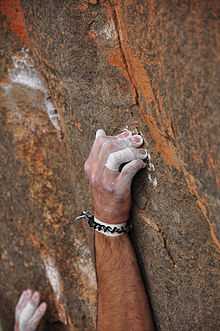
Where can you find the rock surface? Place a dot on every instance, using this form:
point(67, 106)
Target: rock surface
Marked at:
point(150, 65)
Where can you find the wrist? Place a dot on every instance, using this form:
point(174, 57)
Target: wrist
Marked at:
point(107, 229)
point(111, 216)
point(110, 229)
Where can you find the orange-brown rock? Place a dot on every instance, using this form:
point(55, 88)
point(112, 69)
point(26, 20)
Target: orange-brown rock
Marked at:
point(150, 65)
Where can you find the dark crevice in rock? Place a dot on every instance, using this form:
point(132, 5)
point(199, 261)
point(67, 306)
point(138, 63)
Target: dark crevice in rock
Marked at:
point(124, 56)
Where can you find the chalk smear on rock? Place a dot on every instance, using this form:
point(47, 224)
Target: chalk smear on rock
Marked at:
point(23, 72)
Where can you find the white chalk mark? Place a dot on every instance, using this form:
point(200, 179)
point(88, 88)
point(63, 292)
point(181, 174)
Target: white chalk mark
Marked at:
point(85, 264)
point(56, 283)
point(24, 73)
point(109, 31)
point(53, 115)
point(53, 276)
point(151, 167)
point(154, 183)
point(149, 178)
point(128, 154)
point(88, 272)
point(152, 180)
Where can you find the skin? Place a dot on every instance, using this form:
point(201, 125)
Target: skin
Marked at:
point(29, 311)
point(122, 300)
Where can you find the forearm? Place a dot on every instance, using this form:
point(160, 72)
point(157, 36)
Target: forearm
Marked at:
point(122, 299)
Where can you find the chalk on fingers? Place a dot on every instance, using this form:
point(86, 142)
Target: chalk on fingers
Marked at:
point(39, 313)
point(116, 159)
point(100, 133)
point(24, 298)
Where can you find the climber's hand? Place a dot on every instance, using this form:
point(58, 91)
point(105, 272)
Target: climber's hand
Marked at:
point(111, 189)
point(28, 312)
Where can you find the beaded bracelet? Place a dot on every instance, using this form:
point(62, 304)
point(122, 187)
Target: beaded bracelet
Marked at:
point(112, 230)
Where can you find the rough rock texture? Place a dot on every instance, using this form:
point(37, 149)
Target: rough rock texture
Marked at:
point(153, 65)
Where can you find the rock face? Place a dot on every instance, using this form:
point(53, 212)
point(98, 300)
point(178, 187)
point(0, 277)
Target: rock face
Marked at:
point(151, 65)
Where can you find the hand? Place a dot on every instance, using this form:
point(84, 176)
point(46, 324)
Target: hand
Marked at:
point(111, 189)
point(28, 312)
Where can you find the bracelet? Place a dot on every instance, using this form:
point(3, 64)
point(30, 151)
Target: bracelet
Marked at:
point(111, 230)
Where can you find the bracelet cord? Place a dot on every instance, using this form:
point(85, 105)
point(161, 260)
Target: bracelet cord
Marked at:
point(102, 227)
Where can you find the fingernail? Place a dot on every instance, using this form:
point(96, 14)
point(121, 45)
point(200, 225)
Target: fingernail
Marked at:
point(28, 293)
point(137, 139)
point(43, 307)
point(124, 134)
point(143, 152)
point(35, 296)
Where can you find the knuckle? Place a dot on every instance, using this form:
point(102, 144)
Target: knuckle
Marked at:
point(108, 146)
point(109, 187)
point(141, 153)
point(111, 158)
point(94, 180)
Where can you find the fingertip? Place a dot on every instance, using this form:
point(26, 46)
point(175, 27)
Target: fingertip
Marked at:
point(39, 313)
point(43, 307)
point(140, 164)
point(28, 292)
point(100, 133)
point(141, 153)
point(36, 296)
point(137, 140)
point(124, 134)
point(23, 293)
point(143, 164)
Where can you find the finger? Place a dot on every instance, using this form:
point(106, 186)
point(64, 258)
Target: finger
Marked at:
point(106, 145)
point(117, 143)
point(23, 300)
point(123, 156)
point(136, 140)
point(124, 133)
point(29, 309)
point(120, 141)
point(35, 299)
point(100, 133)
point(129, 139)
point(127, 174)
point(124, 139)
point(39, 313)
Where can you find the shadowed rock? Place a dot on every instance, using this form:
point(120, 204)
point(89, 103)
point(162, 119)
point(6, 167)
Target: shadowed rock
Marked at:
point(148, 65)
